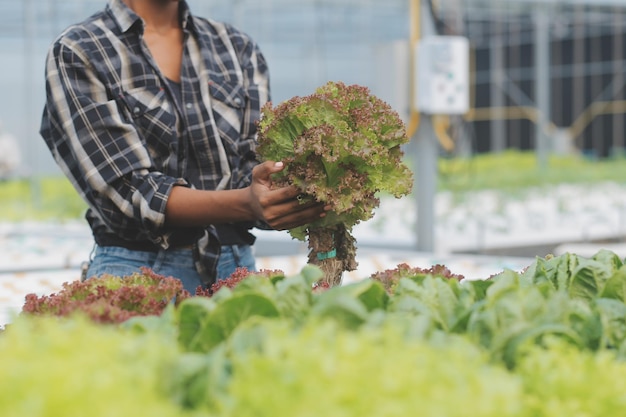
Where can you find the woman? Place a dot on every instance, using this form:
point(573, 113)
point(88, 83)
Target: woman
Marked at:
point(151, 114)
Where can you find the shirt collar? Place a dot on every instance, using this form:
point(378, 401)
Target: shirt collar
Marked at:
point(126, 18)
point(123, 16)
point(185, 16)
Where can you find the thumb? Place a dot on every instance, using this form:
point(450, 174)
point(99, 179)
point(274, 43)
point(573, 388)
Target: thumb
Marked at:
point(264, 170)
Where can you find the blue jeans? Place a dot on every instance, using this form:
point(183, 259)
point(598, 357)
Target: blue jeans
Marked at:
point(177, 263)
point(233, 257)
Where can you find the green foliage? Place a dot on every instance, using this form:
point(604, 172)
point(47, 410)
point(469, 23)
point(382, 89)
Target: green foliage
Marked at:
point(513, 171)
point(321, 370)
point(563, 381)
point(341, 146)
point(514, 316)
point(547, 341)
point(571, 298)
point(50, 198)
point(74, 368)
point(204, 323)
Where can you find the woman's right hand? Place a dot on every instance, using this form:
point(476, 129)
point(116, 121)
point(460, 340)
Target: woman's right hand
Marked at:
point(280, 208)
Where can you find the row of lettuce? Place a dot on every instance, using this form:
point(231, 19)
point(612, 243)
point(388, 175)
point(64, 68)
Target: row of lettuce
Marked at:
point(546, 341)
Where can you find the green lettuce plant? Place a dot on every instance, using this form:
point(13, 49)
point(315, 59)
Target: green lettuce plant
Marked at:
point(342, 146)
point(268, 368)
point(73, 367)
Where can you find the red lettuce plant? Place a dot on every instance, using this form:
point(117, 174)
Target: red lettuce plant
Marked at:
point(235, 278)
point(110, 299)
point(242, 273)
point(341, 146)
point(113, 299)
point(390, 277)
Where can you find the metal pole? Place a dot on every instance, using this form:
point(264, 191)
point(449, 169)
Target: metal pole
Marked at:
point(542, 83)
point(498, 131)
point(515, 59)
point(425, 160)
point(597, 128)
point(426, 156)
point(618, 56)
point(579, 76)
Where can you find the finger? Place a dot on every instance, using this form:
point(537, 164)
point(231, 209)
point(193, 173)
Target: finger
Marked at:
point(301, 219)
point(267, 168)
point(290, 215)
point(283, 195)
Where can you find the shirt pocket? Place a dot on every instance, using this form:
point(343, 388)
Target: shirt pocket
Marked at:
point(228, 102)
point(151, 111)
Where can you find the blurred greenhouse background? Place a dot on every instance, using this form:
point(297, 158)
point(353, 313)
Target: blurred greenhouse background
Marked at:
point(545, 75)
point(545, 78)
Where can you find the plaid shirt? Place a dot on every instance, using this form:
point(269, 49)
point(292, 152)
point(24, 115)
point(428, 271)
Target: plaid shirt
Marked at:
point(116, 130)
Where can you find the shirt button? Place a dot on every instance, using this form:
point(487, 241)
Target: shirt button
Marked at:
point(136, 111)
point(189, 105)
point(237, 101)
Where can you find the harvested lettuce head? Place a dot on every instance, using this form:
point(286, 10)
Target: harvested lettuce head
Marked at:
point(341, 146)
